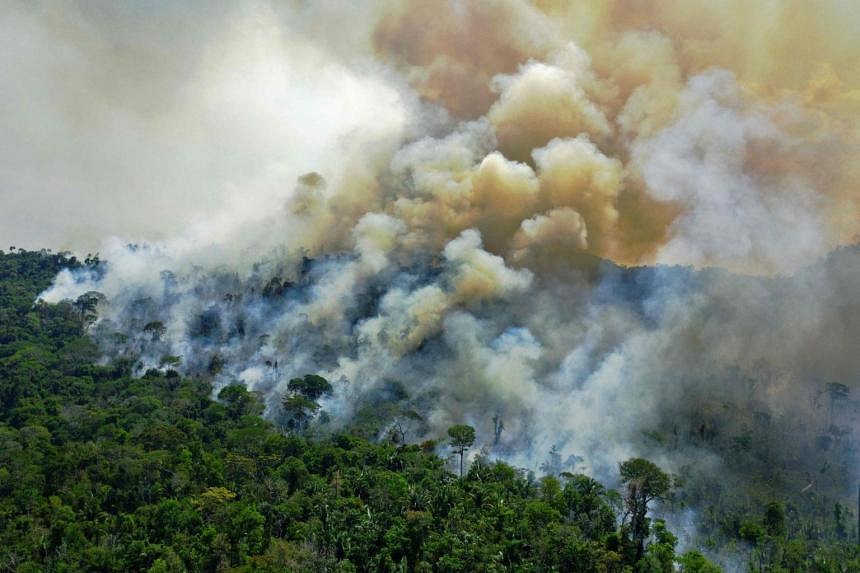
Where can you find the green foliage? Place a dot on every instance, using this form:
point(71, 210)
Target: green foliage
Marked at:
point(100, 471)
point(645, 482)
point(695, 562)
point(651, 482)
point(660, 556)
point(774, 519)
point(240, 402)
point(299, 411)
point(311, 386)
point(301, 405)
point(462, 436)
point(461, 439)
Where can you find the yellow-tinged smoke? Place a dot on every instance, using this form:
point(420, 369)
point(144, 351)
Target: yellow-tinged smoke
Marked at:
point(643, 125)
point(461, 157)
point(701, 132)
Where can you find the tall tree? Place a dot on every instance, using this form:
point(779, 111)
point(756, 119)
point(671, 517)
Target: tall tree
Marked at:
point(462, 437)
point(310, 386)
point(645, 483)
point(301, 405)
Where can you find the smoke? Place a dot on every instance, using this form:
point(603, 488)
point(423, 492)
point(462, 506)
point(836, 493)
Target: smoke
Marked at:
point(142, 121)
point(729, 212)
point(464, 198)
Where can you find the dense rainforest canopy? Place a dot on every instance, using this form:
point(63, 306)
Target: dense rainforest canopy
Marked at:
point(103, 471)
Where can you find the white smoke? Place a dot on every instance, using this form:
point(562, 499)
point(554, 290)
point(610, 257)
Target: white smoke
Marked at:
point(729, 213)
point(378, 206)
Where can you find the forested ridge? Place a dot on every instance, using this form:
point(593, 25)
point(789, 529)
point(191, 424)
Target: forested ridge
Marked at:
point(104, 471)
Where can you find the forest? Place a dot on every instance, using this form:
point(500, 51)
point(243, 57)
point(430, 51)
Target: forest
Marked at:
point(101, 470)
point(430, 286)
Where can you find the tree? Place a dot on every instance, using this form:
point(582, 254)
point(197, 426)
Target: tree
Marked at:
point(553, 465)
point(586, 504)
point(239, 401)
point(213, 498)
point(645, 483)
point(660, 557)
point(310, 386)
point(774, 519)
point(498, 428)
point(462, 438)
point(299, 411)
point(695, 562)
point(86, 306)
point(155, 330)
point(301, 405)
point(104, 471)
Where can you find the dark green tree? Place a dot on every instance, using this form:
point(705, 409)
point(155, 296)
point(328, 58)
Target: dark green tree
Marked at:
point(299, 410)
point(300, 406)
point(239, 401)
point(310, 386)
point(774, 519)
point(695, 562)
point(87, 305)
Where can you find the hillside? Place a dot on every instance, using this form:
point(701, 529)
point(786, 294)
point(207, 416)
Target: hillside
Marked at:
point(102, 470)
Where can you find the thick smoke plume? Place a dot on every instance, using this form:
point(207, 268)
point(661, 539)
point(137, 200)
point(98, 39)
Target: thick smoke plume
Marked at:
point(462, 198)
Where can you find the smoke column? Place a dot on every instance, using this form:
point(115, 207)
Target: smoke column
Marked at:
point(606, 223)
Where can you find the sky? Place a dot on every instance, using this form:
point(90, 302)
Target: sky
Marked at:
point(731, 133)
point(136, 119)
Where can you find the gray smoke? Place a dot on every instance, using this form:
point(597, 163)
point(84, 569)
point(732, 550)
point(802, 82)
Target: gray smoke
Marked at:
point(463, 228)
